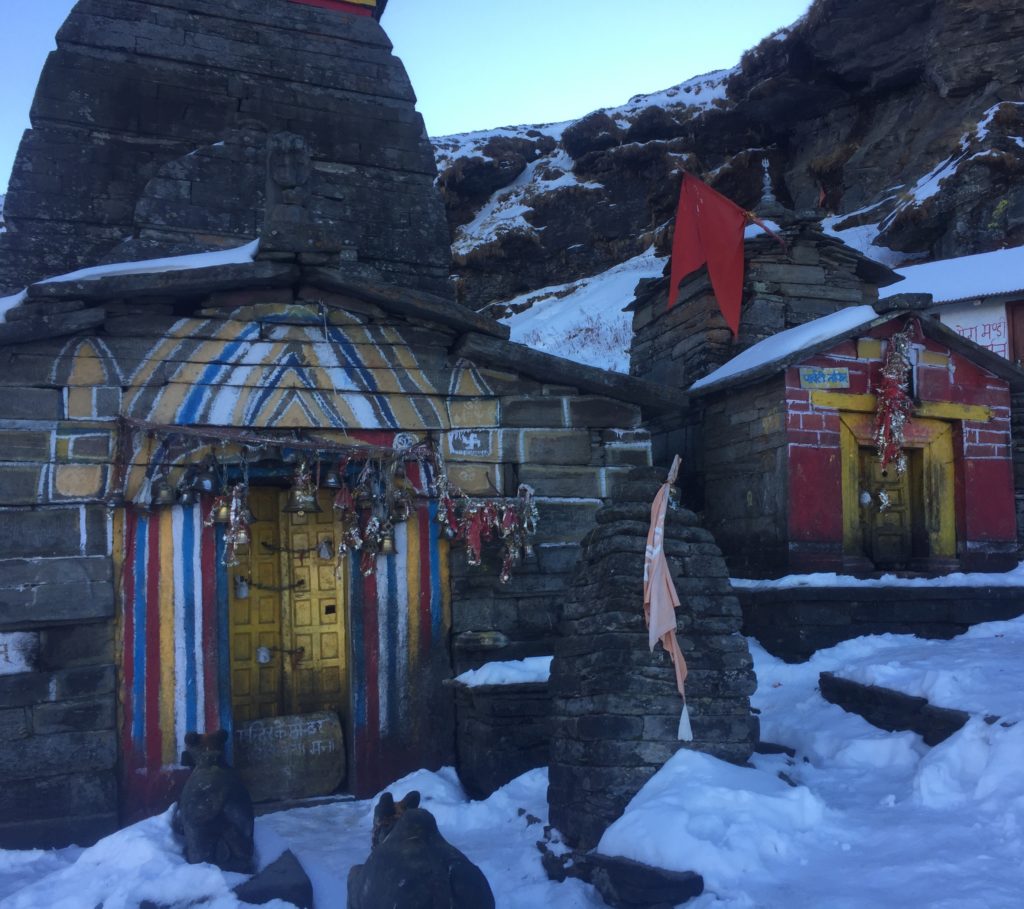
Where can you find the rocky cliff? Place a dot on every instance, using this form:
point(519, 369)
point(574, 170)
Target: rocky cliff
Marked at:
point(903, 123)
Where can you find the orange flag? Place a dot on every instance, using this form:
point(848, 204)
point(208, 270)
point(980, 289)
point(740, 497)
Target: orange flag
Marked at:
point(660, 597)
point(709, 229)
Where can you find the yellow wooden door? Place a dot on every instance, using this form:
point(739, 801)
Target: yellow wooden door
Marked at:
point(889, 510)
point(315, 630)
point(295, 610)
point(255, 617)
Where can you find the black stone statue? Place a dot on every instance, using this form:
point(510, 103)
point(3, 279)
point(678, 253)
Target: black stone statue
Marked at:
point(214, 814)
point(412, 866)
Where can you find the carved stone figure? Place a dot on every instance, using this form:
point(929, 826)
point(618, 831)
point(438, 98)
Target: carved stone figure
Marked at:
point(387, 814)
point(214, 814)
point(412, 866)
point(288, 170)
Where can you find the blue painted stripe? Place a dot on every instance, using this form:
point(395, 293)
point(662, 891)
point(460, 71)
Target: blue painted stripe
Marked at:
point(223, 645)
point(355, 611)
point(188, 412)
point(139, 644)
point(369, 383)
point(436, 603)
point(270, 383)
point(188, 554)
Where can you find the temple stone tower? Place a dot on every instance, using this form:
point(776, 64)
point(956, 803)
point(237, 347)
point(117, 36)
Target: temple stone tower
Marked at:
point(151, 129)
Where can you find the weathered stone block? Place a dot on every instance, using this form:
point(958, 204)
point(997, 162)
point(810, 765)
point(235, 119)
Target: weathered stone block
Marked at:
point(563, 482)
point(87, 715)
point(599, 413)
point(556, 447)
point(537, 410)
point(31, 404)
point(52, 755)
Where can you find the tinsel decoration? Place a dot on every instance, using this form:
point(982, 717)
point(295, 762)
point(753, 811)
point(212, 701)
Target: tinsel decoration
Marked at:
point(894, 403)
point(237, 534)
point(477, 522)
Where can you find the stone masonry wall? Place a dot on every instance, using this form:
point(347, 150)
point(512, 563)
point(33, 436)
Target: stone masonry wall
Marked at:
point(59, 749)
point(745, 476)
point(135, 87)
point(814, 276)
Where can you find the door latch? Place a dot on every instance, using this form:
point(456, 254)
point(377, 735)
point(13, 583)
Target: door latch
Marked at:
point(265, 654)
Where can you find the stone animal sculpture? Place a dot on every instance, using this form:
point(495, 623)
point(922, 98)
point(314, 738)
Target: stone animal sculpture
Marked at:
point(214, 814)
point(412, 866)
point(387, 812)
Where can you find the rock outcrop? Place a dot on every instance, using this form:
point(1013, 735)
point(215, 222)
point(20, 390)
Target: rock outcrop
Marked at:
point(903, 123)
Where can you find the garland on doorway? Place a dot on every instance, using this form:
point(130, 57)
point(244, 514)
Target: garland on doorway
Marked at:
point(373, 491)
point(894, 403)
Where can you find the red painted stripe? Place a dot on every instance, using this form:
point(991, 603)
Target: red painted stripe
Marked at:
point(339, 6)
point(128, 654)
point(426, 529)
point(208, 555)
point(154, 743)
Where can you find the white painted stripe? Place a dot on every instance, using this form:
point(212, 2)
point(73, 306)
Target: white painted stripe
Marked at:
point(177, 526)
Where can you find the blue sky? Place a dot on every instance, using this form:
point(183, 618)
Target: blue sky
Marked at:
point(477, 64)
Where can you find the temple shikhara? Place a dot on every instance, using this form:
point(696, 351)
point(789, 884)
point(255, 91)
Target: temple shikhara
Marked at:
point(263, 473)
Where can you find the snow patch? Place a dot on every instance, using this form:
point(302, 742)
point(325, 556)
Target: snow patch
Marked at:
point(238, 255)
point(508, 672)
point(583, 320)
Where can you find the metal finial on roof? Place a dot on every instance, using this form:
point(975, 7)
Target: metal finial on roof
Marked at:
point(767, 196)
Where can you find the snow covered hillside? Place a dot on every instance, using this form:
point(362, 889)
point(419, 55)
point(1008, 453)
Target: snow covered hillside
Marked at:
point(903, 130)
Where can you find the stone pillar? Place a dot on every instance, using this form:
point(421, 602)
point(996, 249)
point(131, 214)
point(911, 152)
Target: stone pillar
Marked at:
point(615, 710)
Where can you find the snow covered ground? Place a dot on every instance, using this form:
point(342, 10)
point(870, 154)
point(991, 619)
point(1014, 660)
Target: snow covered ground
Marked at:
point(859, 818)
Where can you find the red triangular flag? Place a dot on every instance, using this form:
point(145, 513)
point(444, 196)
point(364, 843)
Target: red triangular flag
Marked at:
point(709, 228)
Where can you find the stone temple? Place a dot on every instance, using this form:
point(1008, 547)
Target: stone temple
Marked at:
point(260, 471)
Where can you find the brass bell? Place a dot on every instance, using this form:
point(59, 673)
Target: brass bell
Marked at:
point(387, 543)
point(222, 511)
point(187, 497)
point(301, 501)
point(205, 480)
point(162, 493)
point(242, 536)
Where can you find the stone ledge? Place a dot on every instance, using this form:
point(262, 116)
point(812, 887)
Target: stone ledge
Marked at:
point(793, 623)
point(893, 710)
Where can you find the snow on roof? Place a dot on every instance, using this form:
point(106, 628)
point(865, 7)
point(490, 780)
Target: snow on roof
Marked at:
point(789, 342)
point(508, 672)
point(8, 303)
point(981, 275)
point(238, 255)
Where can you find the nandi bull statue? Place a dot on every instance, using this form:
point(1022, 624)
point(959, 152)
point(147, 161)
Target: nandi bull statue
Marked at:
point(214, 814)
point(412, 866)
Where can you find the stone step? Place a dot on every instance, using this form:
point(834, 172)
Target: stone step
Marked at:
point(893, 710)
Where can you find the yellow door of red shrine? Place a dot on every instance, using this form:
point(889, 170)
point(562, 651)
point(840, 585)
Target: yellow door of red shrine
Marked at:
point(891, 510)
point(288, 635)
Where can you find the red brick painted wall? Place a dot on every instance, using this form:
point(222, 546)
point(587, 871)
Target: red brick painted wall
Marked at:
point(984, 473)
